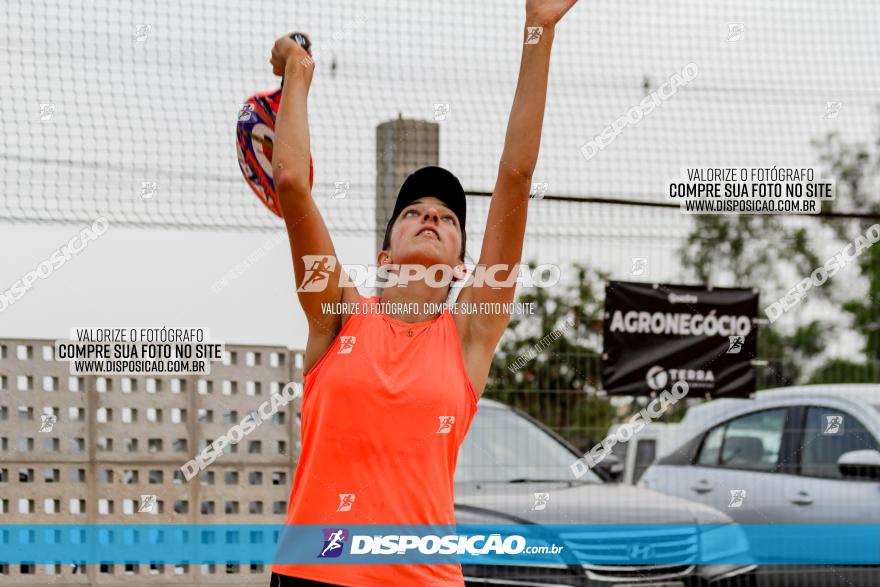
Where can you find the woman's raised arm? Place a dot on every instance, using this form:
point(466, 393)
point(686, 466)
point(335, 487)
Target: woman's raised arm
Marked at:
point(506, 221)
point(315, 264)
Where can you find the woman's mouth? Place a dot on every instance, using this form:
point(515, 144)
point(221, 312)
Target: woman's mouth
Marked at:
point(429, 231)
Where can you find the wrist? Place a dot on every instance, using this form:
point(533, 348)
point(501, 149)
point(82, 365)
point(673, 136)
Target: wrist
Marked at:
point(297, 66)
point(539, 20)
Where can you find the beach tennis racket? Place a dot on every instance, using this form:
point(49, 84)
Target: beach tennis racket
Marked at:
point(254, 138)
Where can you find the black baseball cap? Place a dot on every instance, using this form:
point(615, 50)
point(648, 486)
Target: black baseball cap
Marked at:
point(432, 181)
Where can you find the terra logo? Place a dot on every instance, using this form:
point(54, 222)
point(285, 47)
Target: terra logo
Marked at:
point(657, 377)
point(334, 540)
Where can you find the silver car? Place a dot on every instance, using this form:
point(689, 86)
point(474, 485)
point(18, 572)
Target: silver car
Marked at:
point(806, 455)
point(513, 470)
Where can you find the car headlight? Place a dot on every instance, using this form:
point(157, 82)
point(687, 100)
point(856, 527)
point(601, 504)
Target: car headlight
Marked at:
point(725, 544)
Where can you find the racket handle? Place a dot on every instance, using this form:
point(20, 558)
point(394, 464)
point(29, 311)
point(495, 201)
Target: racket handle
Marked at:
point(303, 41)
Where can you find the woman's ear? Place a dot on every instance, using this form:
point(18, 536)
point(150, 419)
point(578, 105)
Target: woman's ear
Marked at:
point(384, 258)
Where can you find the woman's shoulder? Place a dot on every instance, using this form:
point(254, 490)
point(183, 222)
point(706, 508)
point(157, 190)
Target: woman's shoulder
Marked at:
point(351, 295)
point(356, 304)
point(367, 299)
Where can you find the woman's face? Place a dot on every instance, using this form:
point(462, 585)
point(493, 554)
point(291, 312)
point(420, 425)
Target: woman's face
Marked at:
point(426, 232)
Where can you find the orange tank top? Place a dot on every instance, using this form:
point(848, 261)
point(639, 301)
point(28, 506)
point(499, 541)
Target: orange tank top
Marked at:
point(384, 412)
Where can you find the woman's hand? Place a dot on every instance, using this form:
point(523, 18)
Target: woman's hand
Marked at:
point(286, 54)
point(546, 13)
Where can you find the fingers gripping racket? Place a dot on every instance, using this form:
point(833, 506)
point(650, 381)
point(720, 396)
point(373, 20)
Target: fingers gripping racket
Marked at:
point(255, 136)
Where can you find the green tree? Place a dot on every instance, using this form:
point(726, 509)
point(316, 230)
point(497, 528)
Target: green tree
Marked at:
point(548, 362)
point(764, 251)
point(856, 170)
point(776, 252)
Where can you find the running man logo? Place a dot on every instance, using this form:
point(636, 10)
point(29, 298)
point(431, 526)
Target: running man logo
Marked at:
point(735, 31)
point(541, 500)
point(737, 497)
point(736, 344)
point(334, 540)
point(319, 268)
point(142, 31)
point(346, 343)
point(48, 421)
point(245, 111)
point(832, 109)
point(340, 189)
point(346, 501)
point(47, 112)
point(833, 424)
point(148, 189)
point(446, 423)
point(148, 502)
point(539, 190)
point(640, 265)
point(533, 34)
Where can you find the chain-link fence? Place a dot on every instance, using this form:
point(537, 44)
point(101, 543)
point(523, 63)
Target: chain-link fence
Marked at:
point(128, 111)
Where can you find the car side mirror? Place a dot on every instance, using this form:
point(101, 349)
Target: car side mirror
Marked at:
point(610, 468)
point(860, 464)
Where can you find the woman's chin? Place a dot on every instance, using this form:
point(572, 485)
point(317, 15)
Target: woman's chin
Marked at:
point(425, 255)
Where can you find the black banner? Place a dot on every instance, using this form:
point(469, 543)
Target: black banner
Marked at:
point(655, 335)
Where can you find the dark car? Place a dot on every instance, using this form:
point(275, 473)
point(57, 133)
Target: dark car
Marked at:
point(508, 458)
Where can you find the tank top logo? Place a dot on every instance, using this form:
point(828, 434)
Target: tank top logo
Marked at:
point(446, 423)
point(346, 501)
point(346, 343)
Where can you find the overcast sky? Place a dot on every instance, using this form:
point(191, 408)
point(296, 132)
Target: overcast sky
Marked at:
point(163, 109)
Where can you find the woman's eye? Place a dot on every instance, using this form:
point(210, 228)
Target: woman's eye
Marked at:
point(450, 219)
point(408, 212)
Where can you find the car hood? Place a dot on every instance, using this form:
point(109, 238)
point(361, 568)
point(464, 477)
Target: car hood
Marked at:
point(577, 503)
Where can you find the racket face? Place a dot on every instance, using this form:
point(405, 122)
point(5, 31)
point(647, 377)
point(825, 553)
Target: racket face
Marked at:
point(255, 135)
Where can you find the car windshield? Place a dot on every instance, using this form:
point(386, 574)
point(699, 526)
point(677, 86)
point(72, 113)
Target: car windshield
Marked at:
point(503, 447)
